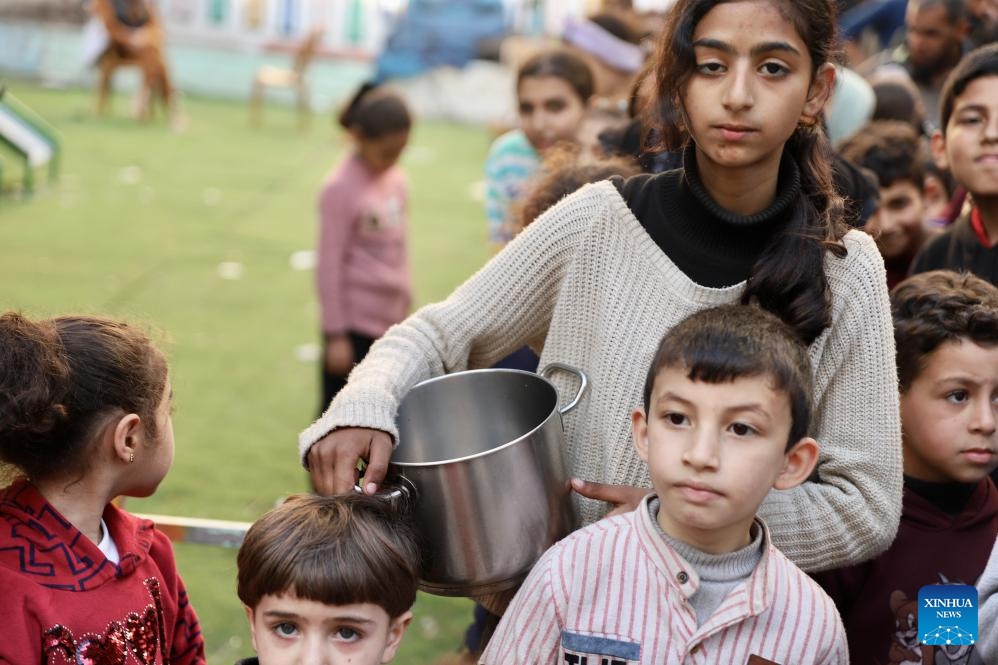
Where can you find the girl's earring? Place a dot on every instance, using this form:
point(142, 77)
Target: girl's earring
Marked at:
point(131, 457)
point(807, 121)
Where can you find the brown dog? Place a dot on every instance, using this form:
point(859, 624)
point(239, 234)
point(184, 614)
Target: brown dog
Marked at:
point(135, 37)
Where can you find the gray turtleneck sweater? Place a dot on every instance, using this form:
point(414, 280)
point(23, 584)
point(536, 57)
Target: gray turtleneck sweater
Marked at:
point(719, 573)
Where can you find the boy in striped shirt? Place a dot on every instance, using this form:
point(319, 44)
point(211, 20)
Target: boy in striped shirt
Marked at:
point(691, 575)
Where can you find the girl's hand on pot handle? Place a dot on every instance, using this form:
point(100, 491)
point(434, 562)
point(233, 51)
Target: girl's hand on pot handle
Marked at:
point(332, 460)
point(339, 355)
point(623, 497)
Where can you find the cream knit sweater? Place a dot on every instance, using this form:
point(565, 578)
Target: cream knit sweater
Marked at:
point(587, 286)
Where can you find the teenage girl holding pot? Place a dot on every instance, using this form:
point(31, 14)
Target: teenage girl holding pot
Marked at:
point(597, 279)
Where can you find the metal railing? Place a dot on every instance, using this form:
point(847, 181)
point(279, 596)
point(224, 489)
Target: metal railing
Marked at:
point(223, 533)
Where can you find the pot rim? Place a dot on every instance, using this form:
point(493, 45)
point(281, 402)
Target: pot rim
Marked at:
point(490, 451)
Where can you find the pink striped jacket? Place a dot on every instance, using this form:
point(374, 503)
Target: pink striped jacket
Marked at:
point(615, 593)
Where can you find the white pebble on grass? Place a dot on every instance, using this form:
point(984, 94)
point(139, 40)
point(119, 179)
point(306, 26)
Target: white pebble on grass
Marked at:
point(302, 260)
point(419, 154)
point(430, 626)
point(307, 353)
point(476, 191)
point(130, 175)
point(231, 270)
point(211, 196)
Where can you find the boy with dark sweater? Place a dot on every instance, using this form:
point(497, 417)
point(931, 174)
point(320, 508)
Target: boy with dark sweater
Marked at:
point(892, 151)
point(967, 145)
point(946, 329)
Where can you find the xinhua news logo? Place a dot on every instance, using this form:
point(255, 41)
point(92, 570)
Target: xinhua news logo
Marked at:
point(947, 614)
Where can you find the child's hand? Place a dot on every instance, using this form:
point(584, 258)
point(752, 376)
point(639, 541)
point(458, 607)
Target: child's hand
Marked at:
point(623, 497)
point(339, 357)
point(332, 460)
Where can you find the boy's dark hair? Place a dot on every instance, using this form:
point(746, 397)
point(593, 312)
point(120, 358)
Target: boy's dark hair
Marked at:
point(940, 306)
point(789, 278)
point(890, 149)
point(730, 342)
point(894, 102)
point(62, 378)
point(561, 64)
point(375, 112)
point(977, 64)
point(337, 550)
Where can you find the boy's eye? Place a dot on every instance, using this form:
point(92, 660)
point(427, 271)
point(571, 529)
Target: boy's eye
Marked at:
point(957, 397)
point(677, 419)
point(741, 429)
point(555, 105)
point(285, 629)
point(897, 204)
point(348, 634)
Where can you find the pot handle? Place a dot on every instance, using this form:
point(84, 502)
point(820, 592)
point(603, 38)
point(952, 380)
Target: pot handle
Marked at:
point(583, 383)
point(404, 491)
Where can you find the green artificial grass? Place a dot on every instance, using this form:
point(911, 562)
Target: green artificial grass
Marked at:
point(137, 226)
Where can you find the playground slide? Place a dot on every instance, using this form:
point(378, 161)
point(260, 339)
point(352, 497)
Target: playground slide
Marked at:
point(27, 136)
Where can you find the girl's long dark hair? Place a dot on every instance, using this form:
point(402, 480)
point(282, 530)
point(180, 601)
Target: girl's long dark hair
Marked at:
point(789, 277)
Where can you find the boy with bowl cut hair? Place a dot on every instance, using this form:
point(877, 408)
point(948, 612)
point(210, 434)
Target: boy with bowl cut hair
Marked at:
point(946, 331)
point(328, 579)
point(692, 573)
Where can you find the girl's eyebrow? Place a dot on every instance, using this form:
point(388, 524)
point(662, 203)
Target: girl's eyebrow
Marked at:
point(971, 106)
point(764, 47)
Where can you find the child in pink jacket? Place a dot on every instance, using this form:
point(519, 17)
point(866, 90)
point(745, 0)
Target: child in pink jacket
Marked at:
point(363, 278)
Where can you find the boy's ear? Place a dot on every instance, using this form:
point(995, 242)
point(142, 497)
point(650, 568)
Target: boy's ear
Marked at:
point(821, 90)
point(249, 616)
point(938, 145)
point(639, 433)
point(126, 432)
point(933, 190)
point(798, 463)
point(396, 631)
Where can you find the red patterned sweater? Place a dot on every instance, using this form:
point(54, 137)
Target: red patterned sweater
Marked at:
point(63, 602)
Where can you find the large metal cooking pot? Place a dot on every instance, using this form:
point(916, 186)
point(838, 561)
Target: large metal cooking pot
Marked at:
point(483, 451)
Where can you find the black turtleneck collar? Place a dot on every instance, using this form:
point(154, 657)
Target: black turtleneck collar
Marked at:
point(713, 246)
point(787, 191)
point(949, 497)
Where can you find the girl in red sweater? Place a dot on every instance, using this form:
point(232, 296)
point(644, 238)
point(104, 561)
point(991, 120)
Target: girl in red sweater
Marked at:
point(85, 407)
